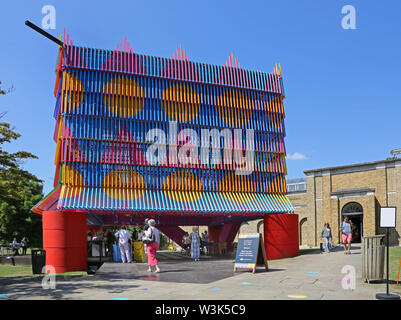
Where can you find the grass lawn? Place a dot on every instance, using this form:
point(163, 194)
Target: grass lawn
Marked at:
point(395, 255)
point(26, 271)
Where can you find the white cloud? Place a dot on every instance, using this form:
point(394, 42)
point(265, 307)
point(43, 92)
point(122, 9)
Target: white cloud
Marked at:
point(296, 156)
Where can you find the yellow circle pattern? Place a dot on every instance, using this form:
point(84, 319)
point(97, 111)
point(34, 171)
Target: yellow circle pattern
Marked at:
point(73, 92)
point(178, 184)
point(73, 180)
point(232, 183)
point(234, 108)
point(181, 102)
point(123, 97)
point(124, 184)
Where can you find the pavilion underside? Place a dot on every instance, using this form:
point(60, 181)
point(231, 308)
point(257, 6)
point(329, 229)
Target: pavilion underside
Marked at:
point(167, 207)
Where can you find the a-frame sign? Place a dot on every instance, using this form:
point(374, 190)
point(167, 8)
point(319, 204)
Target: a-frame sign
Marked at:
point(250, 252)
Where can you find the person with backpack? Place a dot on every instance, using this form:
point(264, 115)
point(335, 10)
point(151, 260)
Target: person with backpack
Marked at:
point(152, 240)
point(123, 243)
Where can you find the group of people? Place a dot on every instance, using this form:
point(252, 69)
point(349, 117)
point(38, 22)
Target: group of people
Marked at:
point(151, 238)
point(193, 242)
point(346, 235)
point(15, 246)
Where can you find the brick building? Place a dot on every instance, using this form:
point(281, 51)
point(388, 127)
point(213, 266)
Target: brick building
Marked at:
point(356, 190)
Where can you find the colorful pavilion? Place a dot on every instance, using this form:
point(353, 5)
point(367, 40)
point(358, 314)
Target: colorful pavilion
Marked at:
point(109, 104)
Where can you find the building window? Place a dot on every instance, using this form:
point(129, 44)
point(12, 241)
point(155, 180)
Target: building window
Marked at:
point(296, 185)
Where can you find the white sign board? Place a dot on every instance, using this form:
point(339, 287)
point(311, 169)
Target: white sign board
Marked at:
point(387, 217)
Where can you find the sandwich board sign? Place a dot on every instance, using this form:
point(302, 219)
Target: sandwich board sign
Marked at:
point(250, 252)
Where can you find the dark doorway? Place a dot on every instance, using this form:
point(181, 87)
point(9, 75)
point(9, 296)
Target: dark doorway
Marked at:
point(354, 212)
point(356, 227)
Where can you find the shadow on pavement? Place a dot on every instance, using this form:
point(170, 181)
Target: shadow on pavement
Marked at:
point(32, 287)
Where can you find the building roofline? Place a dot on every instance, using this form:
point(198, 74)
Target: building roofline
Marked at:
point(353, 165)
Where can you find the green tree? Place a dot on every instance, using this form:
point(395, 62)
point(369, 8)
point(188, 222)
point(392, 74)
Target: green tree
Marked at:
point(20, 190)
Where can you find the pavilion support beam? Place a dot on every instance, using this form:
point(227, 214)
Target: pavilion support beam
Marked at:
point(223, 236)
point(175, 233)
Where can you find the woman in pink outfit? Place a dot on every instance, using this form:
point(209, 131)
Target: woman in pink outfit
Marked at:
point(151, 248)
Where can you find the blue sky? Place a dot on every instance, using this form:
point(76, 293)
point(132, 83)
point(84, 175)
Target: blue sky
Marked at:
point(342, 86)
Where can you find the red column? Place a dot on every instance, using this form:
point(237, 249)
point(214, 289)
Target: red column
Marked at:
point(224, 233)
point(281, 236)
point(214, 233)
point(175, 233)
point(228, 233)
point(64, 239)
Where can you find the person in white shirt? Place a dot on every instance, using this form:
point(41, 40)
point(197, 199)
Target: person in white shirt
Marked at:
point(123, 236)
point(151, 248)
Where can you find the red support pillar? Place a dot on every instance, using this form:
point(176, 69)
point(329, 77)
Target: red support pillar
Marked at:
point(64, 239)
point(175, 233)
point(225, 233)
point(281, 236)
point(214, 233)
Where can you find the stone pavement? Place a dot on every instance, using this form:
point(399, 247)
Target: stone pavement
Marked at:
point(310, 276)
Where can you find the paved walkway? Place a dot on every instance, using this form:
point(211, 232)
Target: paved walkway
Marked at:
point(309, 276)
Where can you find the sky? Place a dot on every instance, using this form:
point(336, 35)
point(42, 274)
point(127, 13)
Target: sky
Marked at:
point(342, 85)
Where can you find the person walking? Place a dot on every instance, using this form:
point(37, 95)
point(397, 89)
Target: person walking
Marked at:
point(195, 243)
point(152, 234)
point(346, 235)
point(326, 235)
point(123, 242)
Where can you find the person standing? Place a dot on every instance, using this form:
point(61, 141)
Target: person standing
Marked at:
point(195, 243)
point(326, 235)
point(151, 247)
point(24, 244)
point(110, 239)
point(346, 235)
point(15, 246)
point(123, 242)
point(146, 226)
point(186, 242)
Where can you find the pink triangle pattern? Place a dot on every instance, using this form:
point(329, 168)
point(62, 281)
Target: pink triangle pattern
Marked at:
point(125, 206)
point(179, 67)
point(124, 46)
point(71, 55)
point(123, 59)
point(274, 80)
point(233, 75)
point(123, 151)
point(70, 149)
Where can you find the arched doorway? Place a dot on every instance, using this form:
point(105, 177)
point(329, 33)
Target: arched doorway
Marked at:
point(354, 211)
point(302, 230)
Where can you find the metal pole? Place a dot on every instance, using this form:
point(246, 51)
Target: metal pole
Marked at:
point(387, 260)
point(43, 32)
